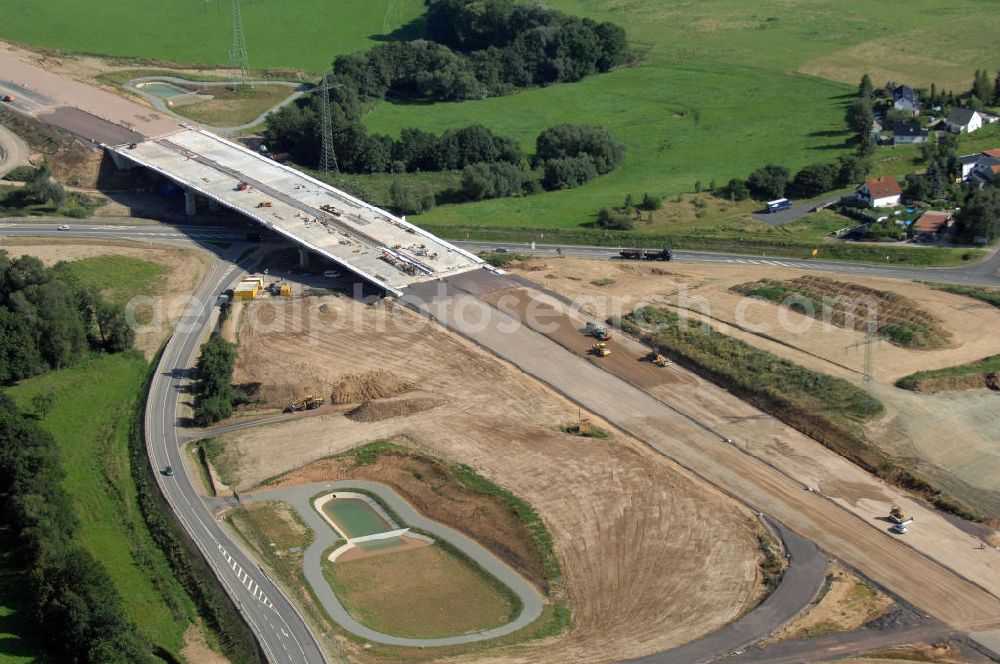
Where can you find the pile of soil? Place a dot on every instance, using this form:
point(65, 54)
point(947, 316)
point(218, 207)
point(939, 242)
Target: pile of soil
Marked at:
point(356, 388)
point(375, 411)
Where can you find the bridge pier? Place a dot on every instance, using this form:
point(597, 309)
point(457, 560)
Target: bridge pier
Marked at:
point(303, 258)
point(190, 206)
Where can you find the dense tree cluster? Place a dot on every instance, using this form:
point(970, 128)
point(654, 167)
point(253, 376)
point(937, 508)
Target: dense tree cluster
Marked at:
point(48, 321)
point(980, 215)
point(215, 392)
point(295, 129)
point(412, 198)
point(772, 181)
point(570, 155)
point(484, 48)
point(71, 598)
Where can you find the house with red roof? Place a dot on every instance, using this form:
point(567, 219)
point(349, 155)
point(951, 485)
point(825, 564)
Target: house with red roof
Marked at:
point(932, 223)
point(881, 192)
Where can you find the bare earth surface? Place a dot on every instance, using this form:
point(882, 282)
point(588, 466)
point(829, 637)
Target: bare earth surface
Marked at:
point(952, 437)
point(651, 558)
point(186, 267)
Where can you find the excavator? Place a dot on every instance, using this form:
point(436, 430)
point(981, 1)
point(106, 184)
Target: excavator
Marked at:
point(600, 349)
point(900, 521)
point(308, 402)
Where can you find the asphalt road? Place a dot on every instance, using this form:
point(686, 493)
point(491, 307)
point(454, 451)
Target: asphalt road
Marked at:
point(795, 212)
point(281, 631)
point(13, 151)
point(983, 273)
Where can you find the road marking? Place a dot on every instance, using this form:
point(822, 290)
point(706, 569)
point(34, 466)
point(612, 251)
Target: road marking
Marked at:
point(255, 590)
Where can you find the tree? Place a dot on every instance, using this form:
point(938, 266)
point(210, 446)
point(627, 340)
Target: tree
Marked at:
point(594, 142)
point(768, 182)
point(980, 216)
point(860, 115)
point(982, 88)
point(852, 169)
point(814, 179)
point(42, 403)
point(867, 145)
point(865, 88)
point(735, 190)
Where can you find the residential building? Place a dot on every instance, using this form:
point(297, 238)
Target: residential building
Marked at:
point(964, 120)
point(904, 99)
point(880, 192)
point(932, 224)
point(908, 133)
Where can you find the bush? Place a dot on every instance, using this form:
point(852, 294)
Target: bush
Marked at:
point(568, 173)
point(814, 179)
point(568, 141)
point(735, 190)
point(610, 219)
point(412, 198)
point(215, 393)
point(651, 202)
point(21, 174)
point(482, 181)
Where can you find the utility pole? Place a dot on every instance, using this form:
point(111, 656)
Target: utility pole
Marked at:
point(328, 158)
point(238, 62)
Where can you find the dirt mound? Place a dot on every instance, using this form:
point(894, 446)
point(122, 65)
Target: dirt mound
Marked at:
point(355, 388)
point(375, 411)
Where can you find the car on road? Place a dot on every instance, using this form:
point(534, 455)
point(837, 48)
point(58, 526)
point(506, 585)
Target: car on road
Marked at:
point(331, 274)
point(168, 471)
point(64, 227)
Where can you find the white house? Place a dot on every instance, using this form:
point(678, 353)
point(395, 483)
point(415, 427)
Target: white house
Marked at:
point(979, 164)
point(908, 133)
point(881, 192)
point(964, 120)
point(904, 99)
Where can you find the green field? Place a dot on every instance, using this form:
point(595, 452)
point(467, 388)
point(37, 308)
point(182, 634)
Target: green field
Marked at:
point(721, 86)
point(118, 277)
point(90, 421)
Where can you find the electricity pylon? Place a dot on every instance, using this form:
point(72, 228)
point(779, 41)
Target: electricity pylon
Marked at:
point(238, 62)
point(328, 158)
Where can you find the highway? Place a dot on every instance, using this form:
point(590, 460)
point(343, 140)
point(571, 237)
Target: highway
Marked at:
point(982, 273)
point(281, 632)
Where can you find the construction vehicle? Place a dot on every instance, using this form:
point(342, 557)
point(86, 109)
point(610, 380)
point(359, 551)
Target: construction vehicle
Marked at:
point(264, 204)
point(599, 332)
point(657, 359)
point(243, 185)
point(8, 98)
point(308, 402)
point(897, 516)
point(600, 349)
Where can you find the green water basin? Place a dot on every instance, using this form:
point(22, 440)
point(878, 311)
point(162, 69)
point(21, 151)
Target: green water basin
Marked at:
point(355, 517)
point(164, 90)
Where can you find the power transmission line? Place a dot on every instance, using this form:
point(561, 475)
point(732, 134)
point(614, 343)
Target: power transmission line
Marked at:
point(328, 158)
point(238, 63)
point(871, 338)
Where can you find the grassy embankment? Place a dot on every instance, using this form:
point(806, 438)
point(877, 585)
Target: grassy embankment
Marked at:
point(897, 319)
point(95, 419)
point(228, 107)
point(827, 409)
point(987, 295)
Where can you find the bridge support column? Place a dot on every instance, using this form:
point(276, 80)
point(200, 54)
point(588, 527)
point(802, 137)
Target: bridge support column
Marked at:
point(303, 258)
point(190, 209)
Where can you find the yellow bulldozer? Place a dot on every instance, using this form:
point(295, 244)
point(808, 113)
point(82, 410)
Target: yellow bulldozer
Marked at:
point(600, 349)
point(657, 359)
point(308, 402)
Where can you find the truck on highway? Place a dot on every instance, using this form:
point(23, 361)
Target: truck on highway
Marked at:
point(7, 98)
point(646, 254)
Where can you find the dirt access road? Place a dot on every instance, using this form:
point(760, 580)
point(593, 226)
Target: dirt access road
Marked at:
point(651, 557)
point(13, 151)
point(828, 521)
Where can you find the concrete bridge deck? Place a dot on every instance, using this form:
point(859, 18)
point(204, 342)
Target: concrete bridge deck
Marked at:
point(370, 242)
